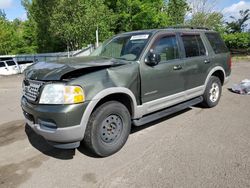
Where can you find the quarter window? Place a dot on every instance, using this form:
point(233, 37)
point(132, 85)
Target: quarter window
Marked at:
point(217, 43)
point(167, 48)
point(193, 45)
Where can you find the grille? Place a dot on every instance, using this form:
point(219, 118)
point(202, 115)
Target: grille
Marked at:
point(31, 89)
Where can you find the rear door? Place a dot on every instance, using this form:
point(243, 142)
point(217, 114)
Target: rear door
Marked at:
point(12, 67)
point(196, 59)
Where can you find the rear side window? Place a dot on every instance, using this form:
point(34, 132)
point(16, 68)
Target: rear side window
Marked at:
point(10, 63)
point(167, 48)
point(2, 64)
point(217, 43)
point(193, 45)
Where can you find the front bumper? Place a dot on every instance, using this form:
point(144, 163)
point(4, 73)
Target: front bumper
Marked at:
point(59, 124)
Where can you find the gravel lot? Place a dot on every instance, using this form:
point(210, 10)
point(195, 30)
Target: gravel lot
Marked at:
point(195, 148)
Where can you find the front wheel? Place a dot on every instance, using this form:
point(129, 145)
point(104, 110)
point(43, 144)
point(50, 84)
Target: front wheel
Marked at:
point(212, 93)
point(108, 128)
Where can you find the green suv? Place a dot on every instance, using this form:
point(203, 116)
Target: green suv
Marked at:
point(133, 78)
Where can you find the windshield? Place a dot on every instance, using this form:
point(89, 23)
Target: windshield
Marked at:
point(127, 47)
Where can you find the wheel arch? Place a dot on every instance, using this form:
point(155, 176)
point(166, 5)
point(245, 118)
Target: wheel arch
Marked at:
point(216, 71)
point(119, 94)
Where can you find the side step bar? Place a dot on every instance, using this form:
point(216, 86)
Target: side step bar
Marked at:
point(167, 111)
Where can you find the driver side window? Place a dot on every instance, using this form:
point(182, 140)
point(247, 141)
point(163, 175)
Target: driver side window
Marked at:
point(167, 48)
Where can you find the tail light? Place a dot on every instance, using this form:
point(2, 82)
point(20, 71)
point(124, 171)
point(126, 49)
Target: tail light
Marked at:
point(230, 62)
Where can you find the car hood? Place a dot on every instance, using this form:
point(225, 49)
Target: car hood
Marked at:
point(55, 70)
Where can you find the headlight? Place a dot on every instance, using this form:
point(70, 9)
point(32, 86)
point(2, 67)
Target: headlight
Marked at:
point(61, 94)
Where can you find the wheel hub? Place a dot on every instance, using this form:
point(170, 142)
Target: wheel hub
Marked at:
point(111, 128)
point(214, 92)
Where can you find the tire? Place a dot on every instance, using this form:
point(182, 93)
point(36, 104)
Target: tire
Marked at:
point(108, 129)
point(212, 93)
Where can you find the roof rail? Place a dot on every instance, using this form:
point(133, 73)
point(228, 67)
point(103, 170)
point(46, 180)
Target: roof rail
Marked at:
point(187, 27)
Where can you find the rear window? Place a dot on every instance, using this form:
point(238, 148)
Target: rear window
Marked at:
point(217, 43)
point(193, 45)
point(2, 64)
point(10, 63)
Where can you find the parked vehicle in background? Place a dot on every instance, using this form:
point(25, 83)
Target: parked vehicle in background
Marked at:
point(13, 66)
point(9, 67)
point(135, 77)
point(24, 65)
point(3, 68)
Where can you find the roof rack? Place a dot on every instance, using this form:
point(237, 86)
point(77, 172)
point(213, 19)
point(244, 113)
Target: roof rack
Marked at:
point(187, 27)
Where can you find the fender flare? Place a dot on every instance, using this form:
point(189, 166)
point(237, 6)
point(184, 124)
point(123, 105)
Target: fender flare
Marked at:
point(98, 97)
point(213, 70)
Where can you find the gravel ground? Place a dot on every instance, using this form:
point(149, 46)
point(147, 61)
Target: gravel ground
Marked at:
point(194, 148)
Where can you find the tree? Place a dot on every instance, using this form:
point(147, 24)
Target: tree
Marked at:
point(2, 14)
point(176, 11)
point(203, 13)
point(138, 14)
point(202, 6)
point(76, 21)
point(39, 15)
point(6, 35)
point(210, 20)
point(24, 37)
point(238, 25)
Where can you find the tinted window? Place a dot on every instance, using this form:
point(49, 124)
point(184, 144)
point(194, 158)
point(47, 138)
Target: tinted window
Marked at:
point(217, 43)
point(10, 63)
point(193, 45)
point(167, 48)
point(2, 64)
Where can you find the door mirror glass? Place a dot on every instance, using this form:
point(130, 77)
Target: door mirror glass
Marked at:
point(153, 59)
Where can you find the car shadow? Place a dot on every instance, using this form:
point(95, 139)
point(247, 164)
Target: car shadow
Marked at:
point(86, 151)
point(42, 145)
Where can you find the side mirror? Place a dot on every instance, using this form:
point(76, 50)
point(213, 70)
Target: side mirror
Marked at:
point(153, 59)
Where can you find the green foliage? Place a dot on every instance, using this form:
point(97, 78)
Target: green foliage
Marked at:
point(237, 40)
point(39, 13)
point(75, 22)
point(138, 14)
point(210, 20)
point(16, 37)
point(24, 38)
point(238, 25)
point(58, 25)
point(176, 11)
point(6, 35)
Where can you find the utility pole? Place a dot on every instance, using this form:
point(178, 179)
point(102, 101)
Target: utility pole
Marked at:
point(97, 38)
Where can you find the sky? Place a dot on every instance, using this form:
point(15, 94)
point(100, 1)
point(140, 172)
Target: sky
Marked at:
point(14, 9)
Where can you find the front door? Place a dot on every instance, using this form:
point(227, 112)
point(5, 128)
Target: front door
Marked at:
point(166, 78)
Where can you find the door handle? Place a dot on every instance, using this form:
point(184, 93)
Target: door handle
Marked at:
point(177, 67)
point(206, 61)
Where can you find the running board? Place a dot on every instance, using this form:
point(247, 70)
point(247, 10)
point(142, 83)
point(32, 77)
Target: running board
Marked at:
point(167, 111)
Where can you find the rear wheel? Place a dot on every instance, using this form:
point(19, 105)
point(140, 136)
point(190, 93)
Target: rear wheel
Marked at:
point(108, 128)
point(212, 93)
